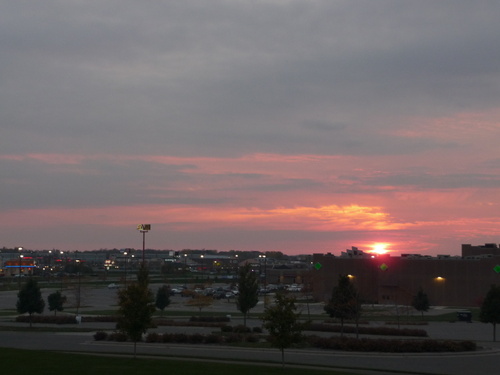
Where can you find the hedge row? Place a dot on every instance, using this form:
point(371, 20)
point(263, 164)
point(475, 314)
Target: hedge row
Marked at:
point(390, 346)
point(177, 323)
point(332, 343)
point(383, 331)
point(100, 318)
point(210, 319)
point(48, 319)
point(198, 338)
point(240, 329)
point(180, 338)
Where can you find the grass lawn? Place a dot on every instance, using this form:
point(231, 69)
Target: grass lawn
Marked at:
point(16, 361)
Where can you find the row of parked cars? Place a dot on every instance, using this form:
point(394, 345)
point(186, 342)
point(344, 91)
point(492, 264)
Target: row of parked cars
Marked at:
point(217, 293)
point(272, 288)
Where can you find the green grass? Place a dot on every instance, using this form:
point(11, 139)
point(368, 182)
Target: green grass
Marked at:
point(16, 361)
point(8, 312)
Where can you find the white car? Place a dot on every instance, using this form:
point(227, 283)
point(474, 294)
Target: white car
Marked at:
point(113, 286)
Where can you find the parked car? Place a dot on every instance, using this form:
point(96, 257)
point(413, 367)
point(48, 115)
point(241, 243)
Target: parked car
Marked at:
point(113, 286)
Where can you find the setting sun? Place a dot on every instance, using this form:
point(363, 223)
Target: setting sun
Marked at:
point(380, 248)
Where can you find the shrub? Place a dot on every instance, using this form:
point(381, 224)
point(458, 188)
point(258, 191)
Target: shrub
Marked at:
point(226, 329)
point(252, 338)
point(154, 337)
point(214, 339)
point(383, 331)
point(390, 346)
point(210, 319)
point(241, 329)
point(100, 336)
point(47, 319)
point(180, 338)
point(196, 338)
point(167, 337)
point(233, 338)
point(101, 318)
point(117, 336)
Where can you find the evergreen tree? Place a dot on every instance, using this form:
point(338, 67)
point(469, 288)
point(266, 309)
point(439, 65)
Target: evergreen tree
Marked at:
point(136, 308)
point(56, 301)
point(345, 302)
point(248, 291)
point(421, 302)
point(29, 299)
point(490, 308)
point(282, 322)
point(162, 298)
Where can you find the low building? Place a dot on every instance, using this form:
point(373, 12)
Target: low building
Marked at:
point(383, 279)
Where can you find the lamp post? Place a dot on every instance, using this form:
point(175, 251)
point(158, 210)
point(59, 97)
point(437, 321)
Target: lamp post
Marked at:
point(126, 262)
point(265, 269)
point(78, 292)
point(19, 264)
point(144, 228)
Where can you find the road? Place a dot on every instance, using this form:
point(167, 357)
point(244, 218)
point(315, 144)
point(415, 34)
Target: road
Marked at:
point(485, 361)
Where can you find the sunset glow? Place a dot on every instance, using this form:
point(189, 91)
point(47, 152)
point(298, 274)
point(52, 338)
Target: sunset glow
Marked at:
point(235, 127)
point(380, 248)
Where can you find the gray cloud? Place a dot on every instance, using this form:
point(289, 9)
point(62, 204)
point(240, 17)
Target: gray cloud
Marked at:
point(224, 78)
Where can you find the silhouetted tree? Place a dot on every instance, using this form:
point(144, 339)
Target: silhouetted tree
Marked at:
point(345, 303)
point(56, 301)
point(162, 298)
point(29, 299)
point(490, 308)
point(282, 322)
point(421, 302)
point(248, 291)
point(136, 308)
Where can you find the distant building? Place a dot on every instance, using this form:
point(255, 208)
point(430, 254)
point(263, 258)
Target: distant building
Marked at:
point(447, 280)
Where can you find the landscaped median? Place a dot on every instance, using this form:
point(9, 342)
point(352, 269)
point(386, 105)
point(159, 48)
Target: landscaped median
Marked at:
point(241, 335)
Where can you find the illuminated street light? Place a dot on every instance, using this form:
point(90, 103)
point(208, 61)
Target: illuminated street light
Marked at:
point(144, 228)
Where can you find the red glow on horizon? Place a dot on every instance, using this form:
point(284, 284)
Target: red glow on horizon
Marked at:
point(380, 248)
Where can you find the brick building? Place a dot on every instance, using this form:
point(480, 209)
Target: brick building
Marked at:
point(447, 280)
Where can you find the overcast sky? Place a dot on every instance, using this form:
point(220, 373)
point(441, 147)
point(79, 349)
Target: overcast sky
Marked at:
point(295, 126)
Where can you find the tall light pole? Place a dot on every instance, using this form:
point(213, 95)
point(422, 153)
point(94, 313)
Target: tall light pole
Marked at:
point(144, 228)
point(79, 291)
point(126, 263)
point(20, 258)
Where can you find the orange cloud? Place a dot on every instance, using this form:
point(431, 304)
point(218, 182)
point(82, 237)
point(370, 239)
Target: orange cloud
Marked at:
point(326, 218)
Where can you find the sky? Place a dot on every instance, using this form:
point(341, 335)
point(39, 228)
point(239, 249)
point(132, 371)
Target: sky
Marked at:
point(279, 125)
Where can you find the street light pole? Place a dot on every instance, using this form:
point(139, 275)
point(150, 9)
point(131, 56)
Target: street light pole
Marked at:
point(144, 228)
point(126, 263)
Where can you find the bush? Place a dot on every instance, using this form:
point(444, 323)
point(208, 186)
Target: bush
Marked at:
point(102, 318)
point(117, 336)
point(226, 329)
point(241, 329)
point(180, 338)
point(383, 331)
point(154, 337)
point(257, 330)
point(390, 346)
point(252, 338)
point(173, 323)
point(100, 336)
point(214, 339)
point(47, 319)
point(196, 338)
point(167, 337)
point(234, 338)
point(210, 319)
